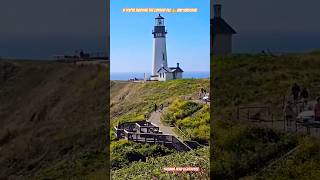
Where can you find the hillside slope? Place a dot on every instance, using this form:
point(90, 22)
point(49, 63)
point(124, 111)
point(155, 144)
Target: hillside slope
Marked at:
point(133, 101)
point(262, 80)
point(153, 168)
point(243, 150)
point(51, 115)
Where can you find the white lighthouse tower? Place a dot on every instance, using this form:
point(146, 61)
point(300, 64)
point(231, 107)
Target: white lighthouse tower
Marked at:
point(160, 69)
point(159, 46)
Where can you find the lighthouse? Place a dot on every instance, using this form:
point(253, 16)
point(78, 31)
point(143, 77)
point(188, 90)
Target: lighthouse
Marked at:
point(159, 45)
point(160, 70)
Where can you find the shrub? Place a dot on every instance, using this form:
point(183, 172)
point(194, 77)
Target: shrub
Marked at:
point(125, 152)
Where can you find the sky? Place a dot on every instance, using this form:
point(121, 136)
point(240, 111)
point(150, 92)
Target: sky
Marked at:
point(37, 29)
point(188, 38)
point(281, 26)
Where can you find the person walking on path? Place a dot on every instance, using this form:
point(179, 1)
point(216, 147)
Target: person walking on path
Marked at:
point(305, 96)
point(289, 113)
point(317, 110)
point(295, 92)
point(201, 93)
point(161, 107)
point(304, 93)
point(155, 107)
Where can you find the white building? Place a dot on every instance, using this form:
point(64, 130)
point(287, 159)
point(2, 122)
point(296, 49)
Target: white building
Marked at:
point(160, 70)
point(166, 73)
point(222, 33)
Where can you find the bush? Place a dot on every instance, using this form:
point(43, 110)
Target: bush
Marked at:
point(240, 150)
point(125, 152)
point(191, 118)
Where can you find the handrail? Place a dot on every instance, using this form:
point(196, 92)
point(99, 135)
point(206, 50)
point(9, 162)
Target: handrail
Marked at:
point(277, 160)
point(183, 134)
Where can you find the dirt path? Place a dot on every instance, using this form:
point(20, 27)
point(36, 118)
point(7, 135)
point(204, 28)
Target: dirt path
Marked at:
point(155, 119)
point(304, 113)
point(199, 101)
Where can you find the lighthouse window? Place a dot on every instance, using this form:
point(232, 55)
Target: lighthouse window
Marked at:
point(159, 22)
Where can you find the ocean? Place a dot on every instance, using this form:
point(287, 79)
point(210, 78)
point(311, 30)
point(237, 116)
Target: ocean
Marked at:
point(124, 76)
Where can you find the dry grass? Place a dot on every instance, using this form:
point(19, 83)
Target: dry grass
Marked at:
point(49, 113)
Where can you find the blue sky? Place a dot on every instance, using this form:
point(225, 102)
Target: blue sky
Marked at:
point(188, 38)
point(37, 29)
point(281, 26)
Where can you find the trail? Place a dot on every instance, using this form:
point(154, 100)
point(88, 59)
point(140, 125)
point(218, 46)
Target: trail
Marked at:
point(155, 119)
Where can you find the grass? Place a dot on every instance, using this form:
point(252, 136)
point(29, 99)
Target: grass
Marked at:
point(191, 118)
point(153, 167)
point(124, 152)
point(52, 119)
point(241, 150)
point(81, 166)
point(303, 164)
point(132, 102)
point(257, 79)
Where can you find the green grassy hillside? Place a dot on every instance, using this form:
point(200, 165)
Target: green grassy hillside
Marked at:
point(242, 150)
point(153, 167)
point(263, 80)
point(132, 102)
point(302, 164)
point(52, 119)
point(192, 118)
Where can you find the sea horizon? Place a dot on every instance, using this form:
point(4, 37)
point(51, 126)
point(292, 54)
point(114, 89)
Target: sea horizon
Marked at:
point(124, 76)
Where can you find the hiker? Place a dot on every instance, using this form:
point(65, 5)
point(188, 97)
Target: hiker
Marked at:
point(201, 93)
point(161, 107)
point(155, 107)
point(289, 113)
point(304, 95)
point(295, 91)
point(317, 110)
